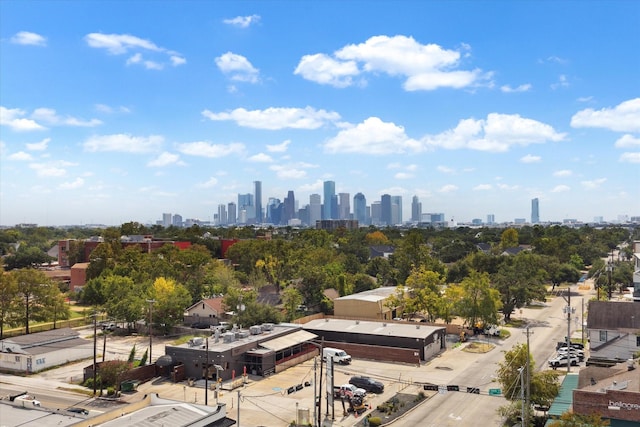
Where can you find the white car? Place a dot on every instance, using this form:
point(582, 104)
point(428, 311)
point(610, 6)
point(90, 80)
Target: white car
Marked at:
point(26, 399)
point(563, 360)
point(574, 351)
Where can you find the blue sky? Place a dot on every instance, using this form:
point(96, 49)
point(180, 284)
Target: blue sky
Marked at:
point(115, 111)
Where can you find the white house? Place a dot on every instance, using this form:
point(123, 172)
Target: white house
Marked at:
point(36, 352)
point(613, 329)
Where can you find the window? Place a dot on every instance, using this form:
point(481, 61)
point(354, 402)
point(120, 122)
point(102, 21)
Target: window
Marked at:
point(603, 336)
point(40, 361)
point(17, 358)
point(637, 340)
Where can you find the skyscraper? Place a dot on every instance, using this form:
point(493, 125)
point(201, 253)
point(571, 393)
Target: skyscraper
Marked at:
point(360, 208)
point(289, 209)
point(232, 214)
point(329, 193)
point(491, 219)
point(416, 209)
point(344, 206)
point(246, 209)
point(315, 209)
point(166, 219)
point(222, 214)
point(535, 212)
point(258, 200)
point(385, 209)
point(396, 210)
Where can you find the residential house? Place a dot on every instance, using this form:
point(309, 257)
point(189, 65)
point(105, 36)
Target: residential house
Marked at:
point(207, 311)
point(613, 328)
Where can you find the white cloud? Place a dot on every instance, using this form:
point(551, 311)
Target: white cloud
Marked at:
point(48, 170)
point(274, 118)
point(242, 21)
point(124, 143)
point(103, 108)
point(323, 69)
point(39, 146)
point(207, 149)
point(498, 133)
point(585, 99)
point(483, 187)
point(403, 175)
point(279, 148)
point(211, 182)
point(288, 172)
point(425, 67)
point(13, 118)
point(627, 141)
point(562, 82)
point(165, 159)
point(237, 67)
point(261, 158)
point(449, 188)
point(77, 183)
point(530, 158)
point(563, 173)
point(560, 189)
point(624, 117)
point(28, 38)
point(557, 59)
point(507, 187)
point(120, 44)
point(445, 169)
point(20, 156)
point(373, 136)
point(593, 184)
point(630, 157)
point(50, 117)
point(522, 88)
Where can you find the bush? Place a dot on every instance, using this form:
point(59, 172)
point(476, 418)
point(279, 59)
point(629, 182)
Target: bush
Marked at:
point(374, 421)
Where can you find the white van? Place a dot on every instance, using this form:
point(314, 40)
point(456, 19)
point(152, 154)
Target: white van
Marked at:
point(337, 355)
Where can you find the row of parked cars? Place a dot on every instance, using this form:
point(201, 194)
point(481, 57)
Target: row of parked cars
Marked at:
point(567, 355)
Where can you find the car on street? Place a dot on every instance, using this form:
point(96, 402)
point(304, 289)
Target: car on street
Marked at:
point(77, 410)
point(200, 325)
point(563, 360)
point(368, 384)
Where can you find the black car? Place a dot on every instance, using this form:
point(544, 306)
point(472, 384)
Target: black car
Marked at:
point(77, 410)
point(200, 325)
point(368, 384)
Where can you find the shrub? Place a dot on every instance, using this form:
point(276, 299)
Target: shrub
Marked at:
point(375, 421)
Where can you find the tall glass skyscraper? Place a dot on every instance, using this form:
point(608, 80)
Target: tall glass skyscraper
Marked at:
point(385, 209)
point(329, 195)
point(360, 208)
point(535, 211)
point(258, 200)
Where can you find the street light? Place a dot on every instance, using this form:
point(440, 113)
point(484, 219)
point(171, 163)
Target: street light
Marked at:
point(151, 302)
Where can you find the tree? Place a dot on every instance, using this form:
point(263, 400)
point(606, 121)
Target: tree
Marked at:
point(291, 299)
point(509, 239)
point(571, 419)
point(543, 386)
point(36, 292)
point(171, 299)
point(124, 299)
point(478, 302)
point(10, 301)
point(520, 280)
point(27, 257)
point(425, 290)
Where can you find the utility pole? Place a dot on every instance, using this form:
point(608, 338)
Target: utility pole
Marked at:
point(238, 417)
point(521, 370)
point(315, 390)
point(150, 301)
point(104, 343)
point(95, 349)
point(528, 381)
point(206, 374)
point(569, 311)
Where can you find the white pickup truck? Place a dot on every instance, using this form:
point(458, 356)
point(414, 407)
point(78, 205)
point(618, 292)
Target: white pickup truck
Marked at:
point(25, 400)
point(348, 391)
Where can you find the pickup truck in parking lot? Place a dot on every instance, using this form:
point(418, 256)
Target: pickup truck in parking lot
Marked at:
point(348, 391)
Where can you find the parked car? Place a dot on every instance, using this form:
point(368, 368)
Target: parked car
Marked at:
point(563, 360)
point(338, 355)
point(576, 345)
point(368, 384)
point(76, 410)
point(348, 391)
point(574, 351)
point(108, 326)
point(200, 325)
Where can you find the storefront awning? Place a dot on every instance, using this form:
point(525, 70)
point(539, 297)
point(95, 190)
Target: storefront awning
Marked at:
point(290, 340)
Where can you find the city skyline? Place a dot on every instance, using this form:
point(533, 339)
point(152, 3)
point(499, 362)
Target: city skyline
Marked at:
point(119, 112)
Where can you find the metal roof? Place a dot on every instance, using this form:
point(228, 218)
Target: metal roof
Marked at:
point(290, 340)
point(397, 329)
point(564, 401)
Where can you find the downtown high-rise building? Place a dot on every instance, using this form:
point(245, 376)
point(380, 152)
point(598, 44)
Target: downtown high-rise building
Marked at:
point(315, 209)
point(344, 210)
point(491, 219)
point(166, 219)
point(360, 208)
point(396, 210)
point(231, 213)
point(416, 209)
point(535, 211)
point(329, 199)
point(222, 214)
point(257, 185)
point(246, 208)
point(289, 209)
point(385, 209)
